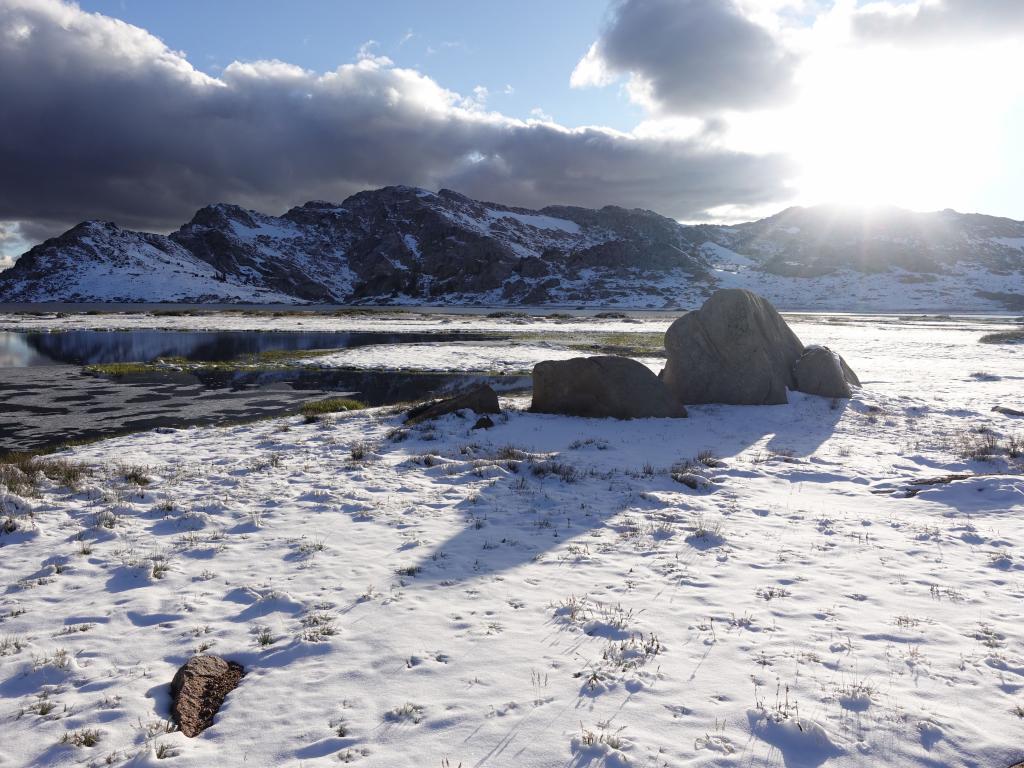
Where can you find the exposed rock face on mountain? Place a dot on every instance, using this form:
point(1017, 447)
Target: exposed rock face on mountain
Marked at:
point(403, 245)
point(396, 244)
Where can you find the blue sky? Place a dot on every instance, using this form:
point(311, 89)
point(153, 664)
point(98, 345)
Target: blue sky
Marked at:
point(530, 45)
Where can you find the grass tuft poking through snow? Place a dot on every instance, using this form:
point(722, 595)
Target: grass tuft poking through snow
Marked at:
point(318, 408)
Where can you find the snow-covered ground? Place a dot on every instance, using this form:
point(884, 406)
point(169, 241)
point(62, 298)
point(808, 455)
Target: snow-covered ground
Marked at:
point(438, 320)
point(543, 593)
point(382, 321)
point(960, 287)
point(462, 356)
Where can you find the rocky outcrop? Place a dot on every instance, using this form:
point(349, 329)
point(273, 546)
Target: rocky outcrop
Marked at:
point(376, 246)
point(601, 387)
point(198, 691)
point(408, 245)
point(481, 399)
point(735, 349)
point(820, 371)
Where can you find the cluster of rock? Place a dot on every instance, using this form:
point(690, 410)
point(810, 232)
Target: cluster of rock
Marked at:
point(736, 349)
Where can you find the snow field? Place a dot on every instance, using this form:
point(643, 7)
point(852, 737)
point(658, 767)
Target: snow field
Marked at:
point(544, 592)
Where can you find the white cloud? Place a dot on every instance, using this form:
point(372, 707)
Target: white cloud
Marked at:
point(591, 70)
point(145, 139)
point(13, 242)
point(931, 21)
point(365, 53)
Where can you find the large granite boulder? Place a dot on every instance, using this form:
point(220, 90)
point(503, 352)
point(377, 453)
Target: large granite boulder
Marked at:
point(480, 399)
point(199, 689)
point(735, 349)
point(601, 387)
point(820, 371)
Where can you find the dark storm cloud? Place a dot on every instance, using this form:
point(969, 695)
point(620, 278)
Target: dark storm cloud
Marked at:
point(595, 169)
point(101, 120)
point(695, 57)
point(941, 20)
point(12, 241)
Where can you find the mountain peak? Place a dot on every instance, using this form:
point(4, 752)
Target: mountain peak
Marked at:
point(408, 245)
point(216, 214)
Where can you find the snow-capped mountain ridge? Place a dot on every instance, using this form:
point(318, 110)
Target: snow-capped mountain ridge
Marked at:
point(413, 246)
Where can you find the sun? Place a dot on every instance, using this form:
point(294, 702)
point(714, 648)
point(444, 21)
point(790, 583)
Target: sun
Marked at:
point(874, 125)
point(886, 126)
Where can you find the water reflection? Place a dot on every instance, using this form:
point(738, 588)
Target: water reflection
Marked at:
point(19, 350)
point(15, 352)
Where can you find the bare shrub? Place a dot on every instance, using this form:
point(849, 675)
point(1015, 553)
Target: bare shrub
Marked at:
point(564, 472)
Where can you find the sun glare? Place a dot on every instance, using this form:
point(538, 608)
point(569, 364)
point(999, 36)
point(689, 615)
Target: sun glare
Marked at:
point(882, 131)
point(920, 129)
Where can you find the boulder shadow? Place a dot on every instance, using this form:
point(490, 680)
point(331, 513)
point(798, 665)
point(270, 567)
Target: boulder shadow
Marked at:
point(503, 532)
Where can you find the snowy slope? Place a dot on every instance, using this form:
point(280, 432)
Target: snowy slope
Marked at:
point(98, 261)
point(409, 246)
point(807, 241)
point(960, 286)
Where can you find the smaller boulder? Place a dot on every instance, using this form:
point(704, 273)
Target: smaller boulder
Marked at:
point(479, 399)
point(1007, 411)
point(820, 371)
point(601, 387)
point(199, 689)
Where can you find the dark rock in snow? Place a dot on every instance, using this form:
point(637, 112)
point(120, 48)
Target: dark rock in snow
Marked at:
point(601, 387)
point(1007, 411)
point(480, 399)
point(484, 422)
point(735, 349)
point(820, 371)
point(198, 691)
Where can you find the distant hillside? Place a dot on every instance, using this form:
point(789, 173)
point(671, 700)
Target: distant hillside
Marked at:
point(401, 245)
